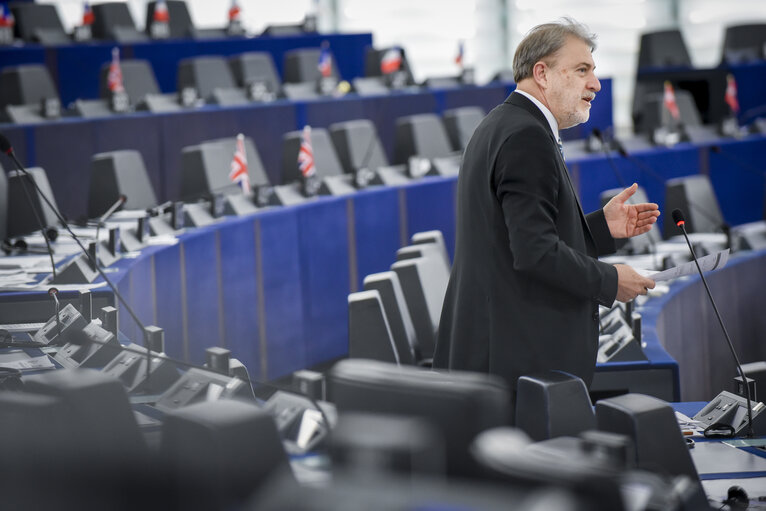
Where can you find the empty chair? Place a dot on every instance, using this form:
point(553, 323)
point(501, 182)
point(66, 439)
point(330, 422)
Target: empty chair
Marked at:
point(28, 94)
point(221, 452)
point(652, 425)
point(553, 404)
point(205, 169)
point(461, 123)
point(653, 114)
point(302, 65)
point(358, 145)
point(664, 48)
point(255, 72)
point(405, 341)
point(424, 283)
point(420, 135)
point(23, 221)
point(117, 173)
point(39, 23)
point(325, 158)
point(369, 335)
point(457, 404)
point(429, 250)
point(113, 21)
point(372, 65)
point(211, 78)
point(180, 23)
point(695, 197)
point(435, 237)
point(140, 85)
point(743, 43)
point(504, 75)
point(99, 405)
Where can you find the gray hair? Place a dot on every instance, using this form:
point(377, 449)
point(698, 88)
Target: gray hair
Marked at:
point(544, 41)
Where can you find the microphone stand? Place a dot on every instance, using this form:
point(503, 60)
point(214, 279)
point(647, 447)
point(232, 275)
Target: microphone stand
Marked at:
point(678, 218)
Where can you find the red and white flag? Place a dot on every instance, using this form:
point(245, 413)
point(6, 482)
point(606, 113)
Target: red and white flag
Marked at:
point(391, 61)
point(306, 154)
point(460, 55)
point(87, 14)
point(161, 14)
point(238, 172)
point(731, 94)
point(234, 11)
point(325, 60)
point(6, 17)
point(669, 100)
point(114, 78)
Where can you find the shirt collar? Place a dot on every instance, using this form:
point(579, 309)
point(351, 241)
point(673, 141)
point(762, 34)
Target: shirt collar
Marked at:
point(547, 113)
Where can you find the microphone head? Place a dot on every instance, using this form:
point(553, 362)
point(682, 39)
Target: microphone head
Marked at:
point(123, 198)
point(678, 217)
point(53, 291)
point(597, 133)
point(716, 149)
point(5, 145)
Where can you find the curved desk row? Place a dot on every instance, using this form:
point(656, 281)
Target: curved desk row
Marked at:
point(64, 148)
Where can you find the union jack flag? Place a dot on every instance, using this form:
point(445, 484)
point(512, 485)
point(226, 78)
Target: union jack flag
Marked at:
point(234, 11)
point(669, 100)
point(306, 154)
point(325, 61)
point(731, 94)
point(6, 17)
point(161, 14)
point(87, 14)
point(238, 172)
point(114, 78)
point(391, 61)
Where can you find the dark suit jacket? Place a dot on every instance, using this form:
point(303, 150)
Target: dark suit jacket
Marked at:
point(525, 285)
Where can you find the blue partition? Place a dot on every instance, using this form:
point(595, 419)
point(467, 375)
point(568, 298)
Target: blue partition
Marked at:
point(169, 290)
point(141, 297)
point(324, 266)
point(737, 174)
point(240, 301)
point(279, 269)
point(377, 230)
point(201, 273)
point(430, 204)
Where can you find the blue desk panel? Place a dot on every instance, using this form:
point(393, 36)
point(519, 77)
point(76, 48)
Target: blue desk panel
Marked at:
point(324, 265)
point(78, 69)
point(201, 264)
point(738, 174)
point(284, 327)
point(430, 204)
point(239, 297)
point(751, 93)
point(377, 231)
point(141, 296)
point(170, 297)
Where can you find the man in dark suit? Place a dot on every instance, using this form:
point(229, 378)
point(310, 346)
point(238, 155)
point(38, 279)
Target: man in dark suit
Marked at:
point(526, 283)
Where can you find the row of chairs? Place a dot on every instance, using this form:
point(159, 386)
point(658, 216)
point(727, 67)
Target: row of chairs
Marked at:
point(396, 317)
point(666, 48)
point(112, 21)
point(339, 154)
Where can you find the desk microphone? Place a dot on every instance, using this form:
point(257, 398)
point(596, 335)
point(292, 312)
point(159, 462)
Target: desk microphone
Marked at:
point(108, 214)
point(678, 218)
point(5, 146)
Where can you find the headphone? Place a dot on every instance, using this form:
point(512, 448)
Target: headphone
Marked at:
point(10, 379)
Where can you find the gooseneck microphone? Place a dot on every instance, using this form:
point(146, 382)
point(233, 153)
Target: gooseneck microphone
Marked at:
point(5, 146)
point(678, 218)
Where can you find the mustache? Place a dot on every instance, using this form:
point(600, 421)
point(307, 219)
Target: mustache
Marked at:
point(589, 96)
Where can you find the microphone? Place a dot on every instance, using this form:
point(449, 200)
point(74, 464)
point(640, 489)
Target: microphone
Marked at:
point(678, 218)
point(5, 146)
point(107, 214)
